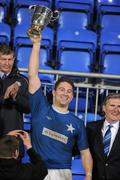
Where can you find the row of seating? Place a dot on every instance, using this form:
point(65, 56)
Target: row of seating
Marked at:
point(66, 42)
point(73, 14)
point(73, 46)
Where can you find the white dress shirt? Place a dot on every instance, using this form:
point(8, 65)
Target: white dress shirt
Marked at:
point(114, 130)
point(2, 74)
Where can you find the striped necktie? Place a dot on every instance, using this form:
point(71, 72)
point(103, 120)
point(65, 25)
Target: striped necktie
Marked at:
point(107, 139)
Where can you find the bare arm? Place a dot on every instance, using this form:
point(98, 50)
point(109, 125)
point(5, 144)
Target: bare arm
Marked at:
point(34, 81)
point(87, 163)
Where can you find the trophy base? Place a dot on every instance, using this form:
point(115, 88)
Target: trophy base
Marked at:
point(33, 33)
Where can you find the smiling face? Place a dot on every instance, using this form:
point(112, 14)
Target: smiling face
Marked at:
point(62, 96)
point(6, 62)
point(112, 110)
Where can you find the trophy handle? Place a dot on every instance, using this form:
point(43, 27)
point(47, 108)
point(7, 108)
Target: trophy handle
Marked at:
point(55, 15)
point(32, 8)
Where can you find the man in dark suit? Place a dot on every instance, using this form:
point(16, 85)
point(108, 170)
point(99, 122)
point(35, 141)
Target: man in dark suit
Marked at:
point(106, 166)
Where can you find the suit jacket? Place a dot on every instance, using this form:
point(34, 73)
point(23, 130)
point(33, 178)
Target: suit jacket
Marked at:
point(104, 168)
point(11, 111)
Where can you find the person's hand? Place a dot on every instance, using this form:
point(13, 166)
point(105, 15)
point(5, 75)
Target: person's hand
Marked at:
point(12, 91)
point(14, 132)
point(23, 135)
point(36, 39)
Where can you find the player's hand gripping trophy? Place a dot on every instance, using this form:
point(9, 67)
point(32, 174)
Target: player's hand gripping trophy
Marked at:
point(41, 17)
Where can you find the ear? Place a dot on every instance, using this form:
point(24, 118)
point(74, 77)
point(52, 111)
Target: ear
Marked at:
point(16, 154)
point(71, 98)
point(103, 108)
point(53, 92)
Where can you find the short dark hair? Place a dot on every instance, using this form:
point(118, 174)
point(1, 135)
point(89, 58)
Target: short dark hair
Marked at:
point(111, 96)
point(64, 79)
point(5, 49)
point(8, 145)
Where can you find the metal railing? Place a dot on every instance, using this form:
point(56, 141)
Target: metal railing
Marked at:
point(94, 90)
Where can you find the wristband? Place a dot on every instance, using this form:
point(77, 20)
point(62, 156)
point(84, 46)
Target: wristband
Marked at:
point(89, 174)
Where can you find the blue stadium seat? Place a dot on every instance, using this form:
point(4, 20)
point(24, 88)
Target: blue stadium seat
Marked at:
point(89, 117)
point(22, 45)
point(76, 49)
point(72, 19)
point(23, 54)
point(27, 122)
point(78, 177)
point(20, 30)
point(4, 6)
point(106, 24)
point(110, 41)
point(23, 13)
point(110, 53)
point(77, 169)
point(82, 101)
point(111, 64)
point(22, 42)
point(107, 12)
point(5, 33)
point(5, 2)
point(2, 14)
point(82, 2)
point(77, 13)
point(20, 3)
point(112, 3)
point(25, 4)
point(21, 10)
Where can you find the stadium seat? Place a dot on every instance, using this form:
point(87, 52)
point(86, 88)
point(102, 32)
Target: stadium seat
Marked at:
point(21, 40)
point(78, 177)
point(106, 24)
point(23, 44)
point(110, 41)
point(77, 169)
point(5, 2)
point(75, 50)
point(110, 52)
point(23, 13)
point(27, 122)
point(89, 116)
point(20, 30)
point(4, 6)
point(5, 33)
point(72, 11)
point(111, 63)
point(19, 3)
point(25, 4)
point(82, 2)
point(2, 14)
point(80, 101)
point(107, 12)
point(111, 3)
point(23, 54)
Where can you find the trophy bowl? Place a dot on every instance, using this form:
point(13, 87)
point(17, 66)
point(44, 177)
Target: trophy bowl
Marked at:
point(41, 17)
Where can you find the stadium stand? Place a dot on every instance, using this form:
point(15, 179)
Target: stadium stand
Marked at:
point(72, 44)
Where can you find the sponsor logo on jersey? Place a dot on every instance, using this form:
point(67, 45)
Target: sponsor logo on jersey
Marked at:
point(55, 135)
point(49, 118)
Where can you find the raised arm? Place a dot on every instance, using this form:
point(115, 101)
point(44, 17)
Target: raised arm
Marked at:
point(34, 81)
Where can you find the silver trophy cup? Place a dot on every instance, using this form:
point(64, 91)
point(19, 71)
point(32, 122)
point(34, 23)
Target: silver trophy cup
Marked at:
point(41, 17)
